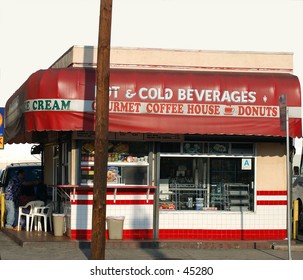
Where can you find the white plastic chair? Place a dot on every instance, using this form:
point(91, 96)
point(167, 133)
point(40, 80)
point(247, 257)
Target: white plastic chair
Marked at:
point(27, 211)
point(44, 212)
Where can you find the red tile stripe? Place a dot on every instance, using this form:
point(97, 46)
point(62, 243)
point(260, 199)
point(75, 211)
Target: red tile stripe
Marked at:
point(127, 234)
point(190, 234)
point(120, 191)
point(272, 202)
point(117, 202)
point(224, 234)
point(260, 193)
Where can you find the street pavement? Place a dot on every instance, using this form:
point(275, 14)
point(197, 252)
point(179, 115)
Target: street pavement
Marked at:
point(10, 250)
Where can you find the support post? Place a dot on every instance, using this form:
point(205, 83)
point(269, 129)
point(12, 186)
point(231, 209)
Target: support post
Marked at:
point(101, 132)
point(288, 187)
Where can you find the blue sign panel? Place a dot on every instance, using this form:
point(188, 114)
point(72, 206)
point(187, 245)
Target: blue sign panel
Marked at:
point(2, 121)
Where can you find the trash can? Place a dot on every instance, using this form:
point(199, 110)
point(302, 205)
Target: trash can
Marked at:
point(115, 227)
point(58, 223)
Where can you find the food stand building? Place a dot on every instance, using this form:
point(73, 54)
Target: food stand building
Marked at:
point(192, 154)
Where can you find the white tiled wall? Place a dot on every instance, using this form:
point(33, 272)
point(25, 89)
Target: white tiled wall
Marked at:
point(265, 217)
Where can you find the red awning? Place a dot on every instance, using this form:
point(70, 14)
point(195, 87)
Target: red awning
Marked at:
point(146, 101)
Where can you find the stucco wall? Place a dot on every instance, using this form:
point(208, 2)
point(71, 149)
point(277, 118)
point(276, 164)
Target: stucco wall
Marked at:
point(136, 58)
point(271, 165)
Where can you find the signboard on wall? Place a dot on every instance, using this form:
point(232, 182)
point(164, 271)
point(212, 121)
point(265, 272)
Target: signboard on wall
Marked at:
point(155, 102)
point(246, 164)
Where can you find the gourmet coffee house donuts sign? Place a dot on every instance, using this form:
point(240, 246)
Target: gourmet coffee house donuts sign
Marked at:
point(190, 101)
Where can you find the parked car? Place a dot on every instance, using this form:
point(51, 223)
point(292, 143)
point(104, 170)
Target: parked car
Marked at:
point(33, 172)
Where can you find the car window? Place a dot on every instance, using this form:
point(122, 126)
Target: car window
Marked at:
point(32, 173)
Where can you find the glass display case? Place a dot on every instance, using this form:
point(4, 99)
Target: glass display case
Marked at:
point(124, 166)
point(208, 183)
point(187, 196)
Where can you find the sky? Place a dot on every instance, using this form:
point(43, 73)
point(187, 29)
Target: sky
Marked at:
point(35, 33)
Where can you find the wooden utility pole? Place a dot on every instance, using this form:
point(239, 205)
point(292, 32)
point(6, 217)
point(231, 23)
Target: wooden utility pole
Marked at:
point(101, 132)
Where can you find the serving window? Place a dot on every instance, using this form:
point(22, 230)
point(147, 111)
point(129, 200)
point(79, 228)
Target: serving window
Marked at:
point(208, 176)
point(128, 163)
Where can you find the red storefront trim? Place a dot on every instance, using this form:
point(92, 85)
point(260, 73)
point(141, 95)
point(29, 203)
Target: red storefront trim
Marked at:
point(190, 234)
point(271, 202)
point(127, 234)
point(259, 193)
point(121, 192)
point(256, 234)
point(117, 202)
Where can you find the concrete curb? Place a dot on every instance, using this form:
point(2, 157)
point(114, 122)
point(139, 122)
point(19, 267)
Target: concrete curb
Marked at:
point(294, 248)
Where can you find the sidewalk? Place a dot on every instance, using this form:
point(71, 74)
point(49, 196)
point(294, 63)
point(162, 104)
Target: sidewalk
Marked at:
point(47, 247)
